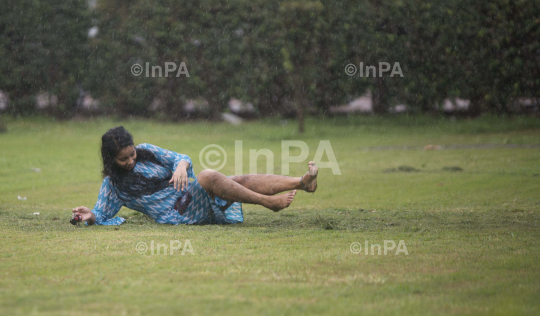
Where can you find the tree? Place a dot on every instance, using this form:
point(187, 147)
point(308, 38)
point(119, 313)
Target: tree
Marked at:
point(303, 27)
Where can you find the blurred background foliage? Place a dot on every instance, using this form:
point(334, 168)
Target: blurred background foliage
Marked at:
point(284, 57)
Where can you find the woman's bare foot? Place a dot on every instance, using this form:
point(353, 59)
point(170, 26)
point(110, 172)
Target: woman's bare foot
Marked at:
point(278, 202)
point(309, 180)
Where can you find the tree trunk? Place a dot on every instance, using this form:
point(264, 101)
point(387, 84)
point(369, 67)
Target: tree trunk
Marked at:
point(300, 102)
point(380, 97)
point(476, 107)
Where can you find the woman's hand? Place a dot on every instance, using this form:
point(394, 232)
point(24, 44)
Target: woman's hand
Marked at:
point(86, 214)
point(180, 177)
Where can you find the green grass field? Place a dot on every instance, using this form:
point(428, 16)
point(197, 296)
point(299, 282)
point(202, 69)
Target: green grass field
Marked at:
point(469, 217)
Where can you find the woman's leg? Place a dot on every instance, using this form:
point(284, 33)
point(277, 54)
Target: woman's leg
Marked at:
point(217, 184)
point(269, 184)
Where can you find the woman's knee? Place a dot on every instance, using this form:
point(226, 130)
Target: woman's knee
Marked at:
point(206, 177)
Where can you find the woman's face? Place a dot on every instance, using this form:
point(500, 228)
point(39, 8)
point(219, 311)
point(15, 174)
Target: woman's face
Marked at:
point(126, 158)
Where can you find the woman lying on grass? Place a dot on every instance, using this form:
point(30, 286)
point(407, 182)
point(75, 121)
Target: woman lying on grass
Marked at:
point(161, 184)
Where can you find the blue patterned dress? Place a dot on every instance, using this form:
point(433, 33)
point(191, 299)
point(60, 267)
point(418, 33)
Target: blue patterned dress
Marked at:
point(160, 205)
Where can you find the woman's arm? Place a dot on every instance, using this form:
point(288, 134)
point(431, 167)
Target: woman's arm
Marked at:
point(168, 158)
point(107, 206)
point(179, 164)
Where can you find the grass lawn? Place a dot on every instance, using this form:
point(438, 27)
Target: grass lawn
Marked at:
point(468, 215)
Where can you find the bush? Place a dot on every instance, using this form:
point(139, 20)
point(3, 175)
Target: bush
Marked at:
point(43, 49)
point(274, 54)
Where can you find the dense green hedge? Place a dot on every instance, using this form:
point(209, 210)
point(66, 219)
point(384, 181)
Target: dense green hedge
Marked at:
point(42, 49)
point(271, 53)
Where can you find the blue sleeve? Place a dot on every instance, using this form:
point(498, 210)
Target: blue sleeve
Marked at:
point(169, 159)
point(107, 206)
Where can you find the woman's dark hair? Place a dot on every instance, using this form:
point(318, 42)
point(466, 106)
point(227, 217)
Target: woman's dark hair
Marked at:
point(129, 182)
